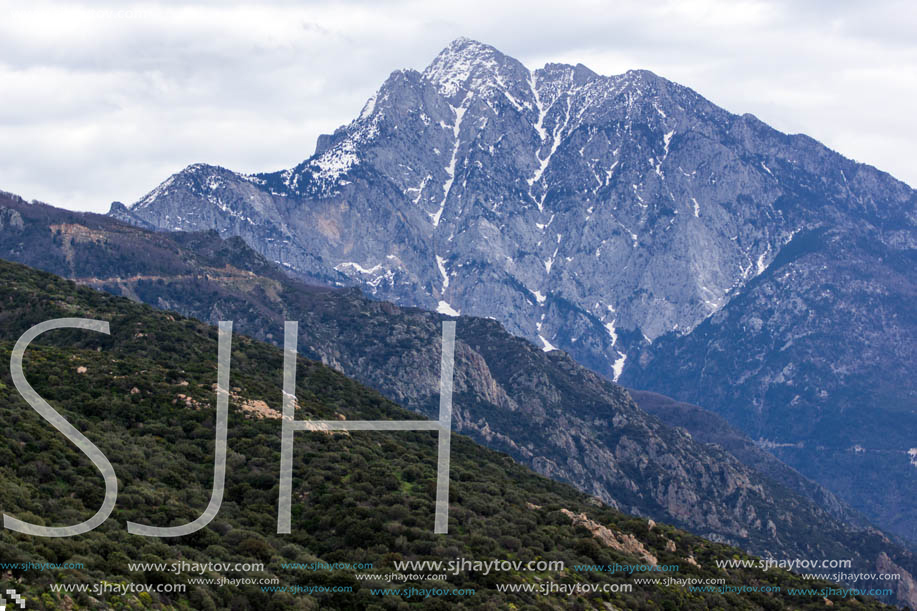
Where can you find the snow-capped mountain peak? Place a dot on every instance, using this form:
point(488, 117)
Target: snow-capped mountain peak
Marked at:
point(592, 213)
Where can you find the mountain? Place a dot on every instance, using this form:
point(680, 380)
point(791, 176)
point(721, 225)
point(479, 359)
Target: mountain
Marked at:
point(840, 407)
point(144, 395)
point(540, 408)
point(655, 237)
point(709, 428)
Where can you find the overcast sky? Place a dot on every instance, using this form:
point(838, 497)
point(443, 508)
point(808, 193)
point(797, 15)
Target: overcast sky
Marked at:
point(102, 101)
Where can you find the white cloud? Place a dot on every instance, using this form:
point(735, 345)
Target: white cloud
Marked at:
point(101, 101)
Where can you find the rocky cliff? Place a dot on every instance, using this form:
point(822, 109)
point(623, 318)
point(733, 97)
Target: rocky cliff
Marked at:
point(660, 240)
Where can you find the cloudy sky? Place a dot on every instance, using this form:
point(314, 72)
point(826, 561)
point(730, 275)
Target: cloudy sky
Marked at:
point(102, 101)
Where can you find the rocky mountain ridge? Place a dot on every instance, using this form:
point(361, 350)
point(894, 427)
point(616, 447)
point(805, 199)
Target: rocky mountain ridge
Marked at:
point(615, 217)
point(540, 408)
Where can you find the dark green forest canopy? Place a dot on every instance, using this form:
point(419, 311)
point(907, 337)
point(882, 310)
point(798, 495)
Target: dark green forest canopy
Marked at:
point(144, 395)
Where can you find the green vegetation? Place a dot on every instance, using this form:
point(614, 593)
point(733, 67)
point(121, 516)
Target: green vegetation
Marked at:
point(145, 396)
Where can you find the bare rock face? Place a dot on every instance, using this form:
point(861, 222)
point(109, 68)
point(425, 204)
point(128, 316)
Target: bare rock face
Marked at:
point(621, 542)
point(906, 589)
point(586, 212)
point(10, 218)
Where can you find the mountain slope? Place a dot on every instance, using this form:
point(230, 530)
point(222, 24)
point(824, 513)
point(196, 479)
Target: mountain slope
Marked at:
point(627, 201)
point(144, 395)
point(542, 409)
point(610, 216)
point(778, 347)
point(707, 427)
